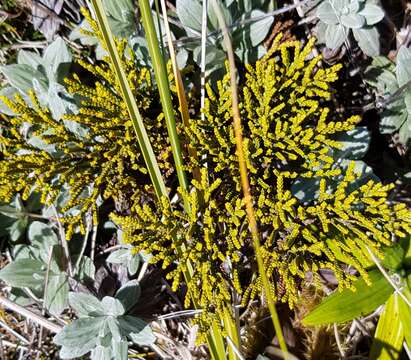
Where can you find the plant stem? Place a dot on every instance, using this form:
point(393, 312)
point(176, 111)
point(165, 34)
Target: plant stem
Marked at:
point(180, 87)
point(238, 133)
point(160, 72)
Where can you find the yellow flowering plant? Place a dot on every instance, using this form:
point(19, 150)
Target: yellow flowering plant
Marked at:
point(289, 133)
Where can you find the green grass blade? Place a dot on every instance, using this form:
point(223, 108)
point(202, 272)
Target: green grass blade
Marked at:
point(347, 305)
point(389, 334)
point(137, 120)
point(405, 316)
point(160, 72)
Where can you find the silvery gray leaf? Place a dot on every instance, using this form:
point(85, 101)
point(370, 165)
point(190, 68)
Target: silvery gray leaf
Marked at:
point(56, 296)
point(335, 35)
point(352, 21)
point(44, 16)
point(57, 60)
point(372, 13)
point(368, 40)
point(112, 306)
point(85, 305)
point(403, 70)
point(326, 13)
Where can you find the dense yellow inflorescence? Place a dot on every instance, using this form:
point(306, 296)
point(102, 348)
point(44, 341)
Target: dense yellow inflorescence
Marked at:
point(103, 161)
point(287, 136)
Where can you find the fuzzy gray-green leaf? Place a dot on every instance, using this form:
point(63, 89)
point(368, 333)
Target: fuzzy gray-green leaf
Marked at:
point(368, 40)
point(23, 273)
point(335, 36)
point(372, 13)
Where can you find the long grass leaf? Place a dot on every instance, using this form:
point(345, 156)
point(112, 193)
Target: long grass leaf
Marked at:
point(347, 305)
point(179, 85)
point(389, 335)
point(137, 120)
point(160, 72)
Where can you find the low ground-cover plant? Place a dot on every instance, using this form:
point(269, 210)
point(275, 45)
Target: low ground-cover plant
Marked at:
point(101, 147)
point(104, 327)
point(289, 133)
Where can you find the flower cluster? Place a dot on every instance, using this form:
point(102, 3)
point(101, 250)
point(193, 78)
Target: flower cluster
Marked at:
point(94, 153)
point(287, 136)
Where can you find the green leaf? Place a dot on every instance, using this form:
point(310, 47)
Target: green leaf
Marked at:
point(23, 273)
point(137, 330)
point(326, 13)
point(127, 94)
point(406, 245)
point(57, 60)
point(368, 40)
point(389, 334)
point(21, 76)
point(403, 70)
point(129, 294)
point(112, 306)
point(43, 238)
point(85, 305)
point(335, 36)
point(354, 143)
point(404, 312)
point(189, 13)
point(347, 305)
point(161, 75)
point(352, 21)
point(119, 256)
point(56, 297)
point(81, 333)
point(372, 13)
point(120, 349)
point(393, 257)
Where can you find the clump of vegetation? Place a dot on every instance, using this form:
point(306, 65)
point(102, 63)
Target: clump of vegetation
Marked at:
point(124, 199)
point(287, 136)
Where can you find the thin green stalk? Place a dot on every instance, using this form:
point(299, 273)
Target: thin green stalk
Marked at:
point(185, 116)
point(137, 120)
point(160, 72)
point(244, 178)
